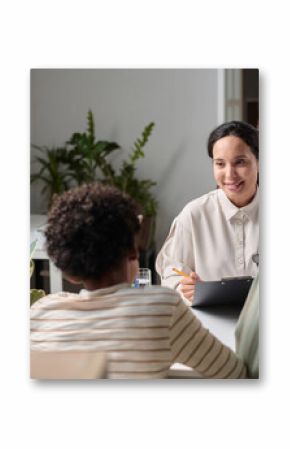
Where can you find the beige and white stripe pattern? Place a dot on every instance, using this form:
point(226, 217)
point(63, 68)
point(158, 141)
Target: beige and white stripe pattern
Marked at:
point(143, 332)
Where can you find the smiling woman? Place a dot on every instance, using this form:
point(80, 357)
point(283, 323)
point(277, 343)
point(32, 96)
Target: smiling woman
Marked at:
point(235, 161)
point(216, 235)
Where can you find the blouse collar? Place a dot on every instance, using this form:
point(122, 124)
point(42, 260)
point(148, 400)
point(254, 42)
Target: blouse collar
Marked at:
point(231, 210)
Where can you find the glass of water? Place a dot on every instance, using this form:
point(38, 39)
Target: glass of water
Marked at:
point(143, 278)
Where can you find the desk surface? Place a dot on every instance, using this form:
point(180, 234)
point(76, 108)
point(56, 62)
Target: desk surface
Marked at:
point(221, 321)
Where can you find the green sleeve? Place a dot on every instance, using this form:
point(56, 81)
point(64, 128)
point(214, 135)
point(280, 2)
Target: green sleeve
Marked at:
point(247, 331)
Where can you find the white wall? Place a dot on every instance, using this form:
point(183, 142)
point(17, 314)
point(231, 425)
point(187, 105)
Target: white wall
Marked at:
point(183, 103)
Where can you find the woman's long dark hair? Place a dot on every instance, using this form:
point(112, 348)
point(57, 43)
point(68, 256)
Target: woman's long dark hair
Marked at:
point(248, 133)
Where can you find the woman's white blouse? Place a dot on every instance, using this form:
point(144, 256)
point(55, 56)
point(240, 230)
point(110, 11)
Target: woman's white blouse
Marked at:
point(212, 237)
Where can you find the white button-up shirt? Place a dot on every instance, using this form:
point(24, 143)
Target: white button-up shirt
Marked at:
point(212, 237)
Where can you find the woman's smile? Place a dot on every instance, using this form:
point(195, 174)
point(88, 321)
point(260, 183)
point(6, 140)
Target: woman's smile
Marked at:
point(234, 186)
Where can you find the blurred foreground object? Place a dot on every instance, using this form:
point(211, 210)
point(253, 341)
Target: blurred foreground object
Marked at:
point(67, 365)
point(247, 331)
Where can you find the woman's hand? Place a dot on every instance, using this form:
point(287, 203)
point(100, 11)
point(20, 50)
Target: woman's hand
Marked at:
point(188, 285)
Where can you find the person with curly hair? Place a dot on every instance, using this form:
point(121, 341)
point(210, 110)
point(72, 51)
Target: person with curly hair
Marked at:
point(92, 236)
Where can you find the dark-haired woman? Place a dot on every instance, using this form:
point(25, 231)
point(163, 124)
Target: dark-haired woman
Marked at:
point(216, 235)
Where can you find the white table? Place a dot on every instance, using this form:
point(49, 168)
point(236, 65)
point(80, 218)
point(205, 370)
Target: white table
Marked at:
point(37, 225)
point(221, 321)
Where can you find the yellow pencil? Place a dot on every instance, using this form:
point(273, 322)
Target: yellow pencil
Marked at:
point(181, 273)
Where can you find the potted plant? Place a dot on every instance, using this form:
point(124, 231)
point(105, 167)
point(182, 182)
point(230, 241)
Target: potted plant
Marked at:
point(84, 159)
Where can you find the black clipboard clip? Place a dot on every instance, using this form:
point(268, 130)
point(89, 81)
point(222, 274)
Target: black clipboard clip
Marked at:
point(237, 278)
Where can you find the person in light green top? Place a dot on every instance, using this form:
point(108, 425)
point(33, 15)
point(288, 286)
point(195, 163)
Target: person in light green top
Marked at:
point(247, 331)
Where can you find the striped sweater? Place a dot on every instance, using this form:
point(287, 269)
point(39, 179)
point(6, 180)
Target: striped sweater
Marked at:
point(143, 332)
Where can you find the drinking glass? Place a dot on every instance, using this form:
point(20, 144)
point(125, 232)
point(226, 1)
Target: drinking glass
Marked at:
point(143, 278)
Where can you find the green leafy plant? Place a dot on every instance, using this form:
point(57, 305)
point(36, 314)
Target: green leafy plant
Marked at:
point(54, 173)
point(84, 159)
point(75, 163)
point(127, 181)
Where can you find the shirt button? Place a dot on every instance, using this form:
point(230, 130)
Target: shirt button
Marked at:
point(241, 260)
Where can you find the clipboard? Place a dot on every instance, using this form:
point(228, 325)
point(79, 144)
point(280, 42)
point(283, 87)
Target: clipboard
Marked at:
point(227, 291)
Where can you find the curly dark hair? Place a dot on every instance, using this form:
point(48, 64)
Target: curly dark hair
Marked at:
point(90, 230)
point(248, 133)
